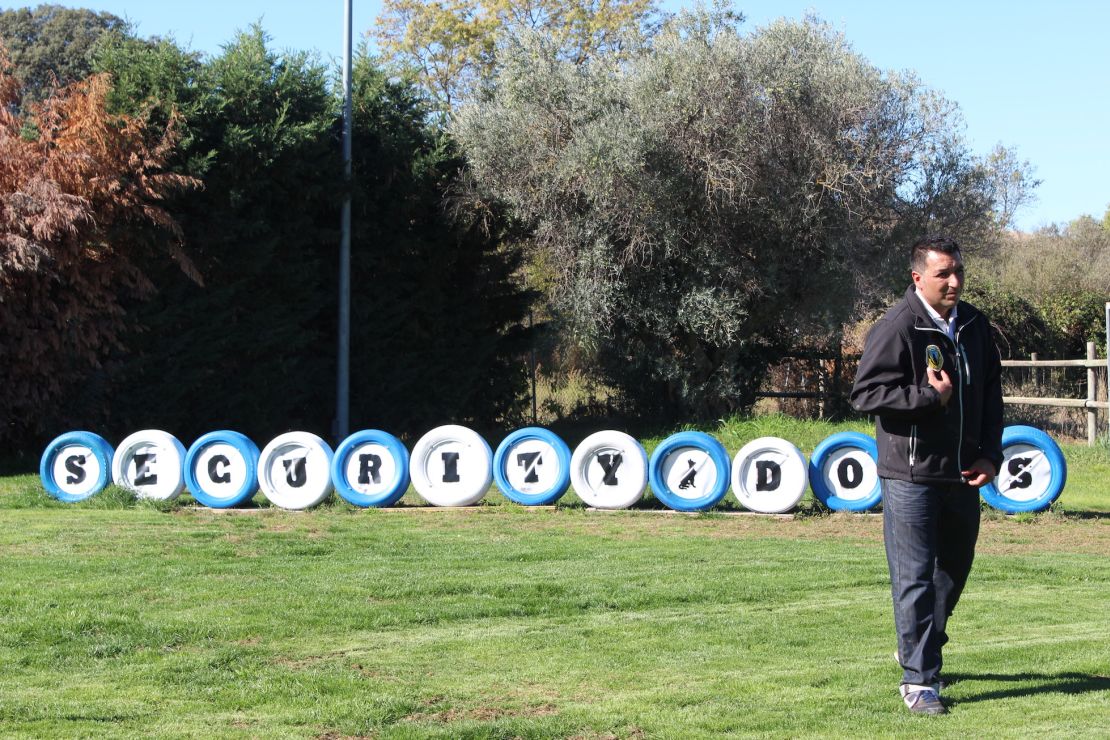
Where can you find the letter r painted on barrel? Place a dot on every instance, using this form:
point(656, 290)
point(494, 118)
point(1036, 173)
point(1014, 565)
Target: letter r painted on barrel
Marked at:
point(369, 469)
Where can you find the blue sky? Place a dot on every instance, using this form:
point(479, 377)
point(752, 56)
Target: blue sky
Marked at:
point(1029, 75)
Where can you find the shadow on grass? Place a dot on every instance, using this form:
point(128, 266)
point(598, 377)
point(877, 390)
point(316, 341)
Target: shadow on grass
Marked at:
point(1079, 514)
point(1040, 683)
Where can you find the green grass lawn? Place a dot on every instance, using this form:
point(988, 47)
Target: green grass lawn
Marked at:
point(139, 619)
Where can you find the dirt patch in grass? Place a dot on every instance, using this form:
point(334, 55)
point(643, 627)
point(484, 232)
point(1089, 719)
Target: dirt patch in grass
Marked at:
point(1047, 532)
point(481, 713)
point(310, 661)
point(635, 733)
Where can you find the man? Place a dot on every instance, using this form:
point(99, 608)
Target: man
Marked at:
point(930, 374)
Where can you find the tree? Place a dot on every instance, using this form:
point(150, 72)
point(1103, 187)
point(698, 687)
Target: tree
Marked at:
point(436, 316)
point(252, 350)
point(437, 310)
point(1064, 276)
point(451, 45)
point(80, 203)
point(51, 45)
point(717, 200)
point(1012, 184)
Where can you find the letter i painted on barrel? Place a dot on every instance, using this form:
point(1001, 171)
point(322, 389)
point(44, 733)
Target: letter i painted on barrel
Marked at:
point(450, 467)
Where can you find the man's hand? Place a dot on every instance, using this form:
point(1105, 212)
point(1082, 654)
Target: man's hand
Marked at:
point(980, 473)
point(942, 383)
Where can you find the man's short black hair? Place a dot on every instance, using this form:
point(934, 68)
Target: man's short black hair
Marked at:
point(935, 243)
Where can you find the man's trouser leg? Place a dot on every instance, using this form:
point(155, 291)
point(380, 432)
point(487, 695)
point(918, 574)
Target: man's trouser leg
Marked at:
point(911, 513)
point(958, 530)
point(930, 533)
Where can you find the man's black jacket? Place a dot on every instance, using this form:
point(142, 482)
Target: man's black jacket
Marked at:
point(918, 439)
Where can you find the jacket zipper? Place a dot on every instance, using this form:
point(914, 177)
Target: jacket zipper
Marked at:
point(967, 381)
point(913, 445)
point(965, 372)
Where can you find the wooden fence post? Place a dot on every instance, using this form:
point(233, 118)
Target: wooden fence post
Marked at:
point(1092, 391)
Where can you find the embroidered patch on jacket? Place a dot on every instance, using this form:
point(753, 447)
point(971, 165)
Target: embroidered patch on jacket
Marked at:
point(934, 358)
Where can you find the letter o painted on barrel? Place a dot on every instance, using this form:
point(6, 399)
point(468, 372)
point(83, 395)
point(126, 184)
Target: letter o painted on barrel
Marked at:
point(769, 475)
point(370, 468)
point(294, 470)
point(689, 471)
point(843, 472)
point(451, 466)
point(221, 469)
point(1033, 472)
point(532, 467)
point(75, 466)
point(609, 470)
point(151, 464)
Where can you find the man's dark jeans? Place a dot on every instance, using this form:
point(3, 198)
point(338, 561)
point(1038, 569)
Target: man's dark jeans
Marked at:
point(930, 532)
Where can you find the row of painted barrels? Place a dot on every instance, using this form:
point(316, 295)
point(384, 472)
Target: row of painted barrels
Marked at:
point(454, 466)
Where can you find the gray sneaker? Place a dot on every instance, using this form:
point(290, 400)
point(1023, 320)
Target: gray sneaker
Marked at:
point(924, 701)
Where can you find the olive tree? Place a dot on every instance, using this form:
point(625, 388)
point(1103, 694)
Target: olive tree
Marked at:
point(718, 199)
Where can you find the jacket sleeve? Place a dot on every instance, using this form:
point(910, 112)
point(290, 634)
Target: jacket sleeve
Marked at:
point(991, 444)
point(885, 380)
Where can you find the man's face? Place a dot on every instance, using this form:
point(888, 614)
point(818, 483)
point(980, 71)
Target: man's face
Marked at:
point(942, 280)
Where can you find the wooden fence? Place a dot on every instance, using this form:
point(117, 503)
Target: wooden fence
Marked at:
point(1092, 363)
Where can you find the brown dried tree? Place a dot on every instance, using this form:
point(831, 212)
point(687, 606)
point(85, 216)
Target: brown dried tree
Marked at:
point(81, 195)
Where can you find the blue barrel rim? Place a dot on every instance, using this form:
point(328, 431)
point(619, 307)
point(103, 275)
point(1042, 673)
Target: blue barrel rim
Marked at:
point(99, 446)
point(397, 487)
point(562, 454)
point(244, 446)
point(718, 455)
point(830, 444)
point(1022, 434)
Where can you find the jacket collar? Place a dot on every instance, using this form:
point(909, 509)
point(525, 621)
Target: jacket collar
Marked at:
point(965, 312)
